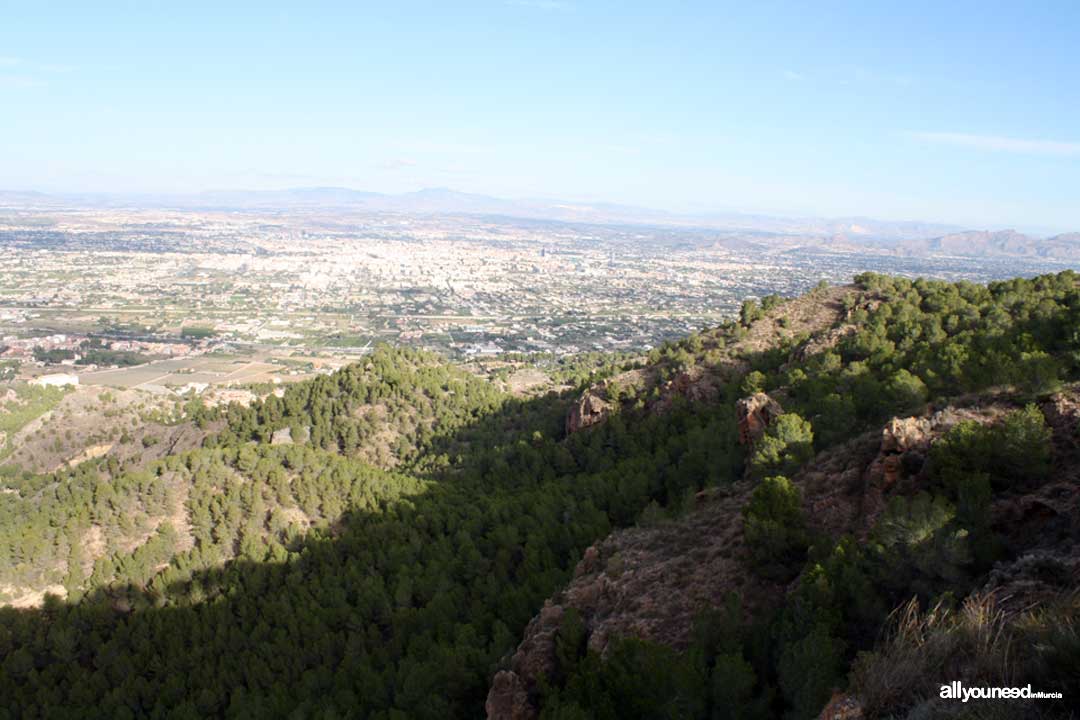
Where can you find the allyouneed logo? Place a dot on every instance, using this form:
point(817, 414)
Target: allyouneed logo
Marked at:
point(956, 691)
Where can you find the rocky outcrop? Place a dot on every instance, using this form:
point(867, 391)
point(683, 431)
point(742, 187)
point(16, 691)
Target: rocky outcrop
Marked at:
point(754, 414)
point(509, 696)
point(843, 707)
point(903, 434)
point(590, 409)
point(846, 488)
point(694, 384)
point(904, 443)
point(646, 582)
point(282, 437)
point(650, 582)
point(1044, 518)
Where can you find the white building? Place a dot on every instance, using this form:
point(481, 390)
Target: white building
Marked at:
point(55, 380)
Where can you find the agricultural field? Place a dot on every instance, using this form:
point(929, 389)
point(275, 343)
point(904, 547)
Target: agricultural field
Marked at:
point(209, 370)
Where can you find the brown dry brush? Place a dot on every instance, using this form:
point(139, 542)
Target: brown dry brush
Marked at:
point(980, 644)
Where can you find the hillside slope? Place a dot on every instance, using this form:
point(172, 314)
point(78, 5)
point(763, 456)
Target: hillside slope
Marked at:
point(653, 581)
point(1014, 549)
point(377, 543)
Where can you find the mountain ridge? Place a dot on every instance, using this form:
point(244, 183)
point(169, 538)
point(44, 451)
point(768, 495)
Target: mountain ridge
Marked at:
point(448, 200)
point(839, 234)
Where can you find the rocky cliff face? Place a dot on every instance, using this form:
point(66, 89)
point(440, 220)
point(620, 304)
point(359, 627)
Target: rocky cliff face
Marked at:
point(649, 582)
point(846, 488)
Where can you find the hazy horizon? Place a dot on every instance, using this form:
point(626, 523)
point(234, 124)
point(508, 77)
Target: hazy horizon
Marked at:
point(674, 216)
point(955, 115)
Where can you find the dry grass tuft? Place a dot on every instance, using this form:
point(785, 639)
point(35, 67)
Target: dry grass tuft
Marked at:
point(978, 644)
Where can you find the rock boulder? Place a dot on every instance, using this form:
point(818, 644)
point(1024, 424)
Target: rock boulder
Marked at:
point(754, 414)
point(588, 410)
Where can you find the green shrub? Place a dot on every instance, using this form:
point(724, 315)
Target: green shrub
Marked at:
point(1022, 446)
point(785, 446)
point(905, 392)
point(771, 301)
point(754, 382)
point(919, 546)
point(733, 690)
point(749, 312)
point(713, 679)
point(809, 669)
point(636, 679)
point(1016, 451)
point(1038, 373)
point(773, 525)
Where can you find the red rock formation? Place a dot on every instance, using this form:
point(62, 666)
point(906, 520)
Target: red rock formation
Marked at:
point(902, 434)
point(898, 437)
point(647, 582)
point(589, 410)
point(754, 414)
point(508, 699)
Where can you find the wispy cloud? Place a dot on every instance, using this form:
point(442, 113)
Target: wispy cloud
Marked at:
point(792, 75)
point(540, 4)
point(19, 82)
point(422, 147)
point(287, 176)
point(396, 164)
point(18, 73)
point(997, 143)
point(9, 61)
point(56, 68)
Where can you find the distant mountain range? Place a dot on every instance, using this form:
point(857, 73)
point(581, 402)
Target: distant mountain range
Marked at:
point(1002, 243)
point(908, 238)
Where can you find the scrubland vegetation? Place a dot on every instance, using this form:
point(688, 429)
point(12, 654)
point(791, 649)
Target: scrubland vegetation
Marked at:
point(384, 562)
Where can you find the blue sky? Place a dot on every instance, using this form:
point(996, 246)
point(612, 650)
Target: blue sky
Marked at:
point(968, 113)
